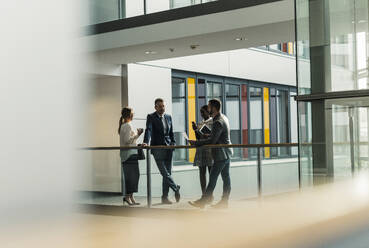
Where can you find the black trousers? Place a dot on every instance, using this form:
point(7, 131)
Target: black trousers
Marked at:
point(131, 175)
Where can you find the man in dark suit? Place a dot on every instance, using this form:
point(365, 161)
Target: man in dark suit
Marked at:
point(159, 132)
point(220, 134)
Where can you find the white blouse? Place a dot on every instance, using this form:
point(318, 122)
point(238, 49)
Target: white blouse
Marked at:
point(128, 137)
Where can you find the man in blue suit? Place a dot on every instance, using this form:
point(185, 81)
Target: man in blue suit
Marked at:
point(159, 132)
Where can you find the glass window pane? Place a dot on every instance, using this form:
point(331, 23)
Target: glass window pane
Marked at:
point(282, 113)
point(134, 8)
point(274, 47)
point(273, 122)
point(180, 3)
point(217, 88)
point(201, 87)
point(256, 113)
point(179, 120)
point(209, 89)
point(232, 90)
point(153, 6)
point(293, 111)
point(102, 11)
point(180, 154)
point(256, 119)
point(236, 139)
point(233, 114)
point(201, 102)
point(178, 87)
point(179, 110)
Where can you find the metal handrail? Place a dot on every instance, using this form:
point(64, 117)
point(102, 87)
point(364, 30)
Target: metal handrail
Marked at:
point(148, 159)
point(216, 146)
point(190, 147)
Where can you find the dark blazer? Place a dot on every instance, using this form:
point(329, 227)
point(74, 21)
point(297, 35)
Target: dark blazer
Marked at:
point(154, 132)
point(220, 134)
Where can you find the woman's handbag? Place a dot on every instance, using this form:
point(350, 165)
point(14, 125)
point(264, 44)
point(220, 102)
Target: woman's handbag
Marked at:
point(140, 154)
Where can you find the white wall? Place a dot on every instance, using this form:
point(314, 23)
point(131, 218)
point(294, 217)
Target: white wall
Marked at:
point(157, 5)
point(145, 84)
point(243, 63)
point(101, 170)
point(104, 111)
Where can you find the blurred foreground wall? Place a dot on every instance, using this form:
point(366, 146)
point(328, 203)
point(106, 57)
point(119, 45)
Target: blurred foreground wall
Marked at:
point(41, 107)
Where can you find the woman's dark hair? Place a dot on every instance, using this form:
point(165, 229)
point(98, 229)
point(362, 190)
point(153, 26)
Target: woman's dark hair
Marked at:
point(205, 109)
point(125, 114)
point(216, 104)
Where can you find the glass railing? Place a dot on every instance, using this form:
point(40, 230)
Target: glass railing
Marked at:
point(250, 176)
point(100, 11)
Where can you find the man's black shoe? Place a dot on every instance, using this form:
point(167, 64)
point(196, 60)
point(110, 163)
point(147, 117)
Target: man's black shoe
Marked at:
point(165, 200)
point(177, 195)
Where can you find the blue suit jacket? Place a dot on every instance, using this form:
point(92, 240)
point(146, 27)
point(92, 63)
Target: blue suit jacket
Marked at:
point(154, 132)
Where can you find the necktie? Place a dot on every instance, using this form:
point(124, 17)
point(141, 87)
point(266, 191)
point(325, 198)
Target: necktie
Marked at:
point(164, 124)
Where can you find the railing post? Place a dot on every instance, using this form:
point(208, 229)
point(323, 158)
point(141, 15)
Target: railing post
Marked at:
point(299, 167)
point(259, 171)
point(148, 176)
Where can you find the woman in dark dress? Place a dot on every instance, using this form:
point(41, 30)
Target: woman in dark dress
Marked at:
point(129, 158)
point(203, 157)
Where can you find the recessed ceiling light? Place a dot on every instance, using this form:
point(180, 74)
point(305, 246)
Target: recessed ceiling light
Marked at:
point(240, 38)
point(150, 52)
point(362, 21)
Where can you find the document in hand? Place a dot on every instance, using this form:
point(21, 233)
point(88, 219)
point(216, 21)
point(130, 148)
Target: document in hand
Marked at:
point(205, 130)
point(185, 136)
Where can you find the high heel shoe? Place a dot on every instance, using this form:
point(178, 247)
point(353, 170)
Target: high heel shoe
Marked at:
point(126, 201)
point(134, 202)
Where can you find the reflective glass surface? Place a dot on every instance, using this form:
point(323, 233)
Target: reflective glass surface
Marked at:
point(105, 179)
point(100, 11)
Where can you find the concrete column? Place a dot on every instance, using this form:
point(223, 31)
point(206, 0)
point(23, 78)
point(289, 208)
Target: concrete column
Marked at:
point(320, 52)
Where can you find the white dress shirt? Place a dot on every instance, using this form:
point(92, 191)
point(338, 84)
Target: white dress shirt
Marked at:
point(128, 137)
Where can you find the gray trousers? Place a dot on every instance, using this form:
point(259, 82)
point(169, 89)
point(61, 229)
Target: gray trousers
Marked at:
point(163, 159)
point(219, 167)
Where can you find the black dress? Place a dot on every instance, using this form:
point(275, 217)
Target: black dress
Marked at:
point(131, 174)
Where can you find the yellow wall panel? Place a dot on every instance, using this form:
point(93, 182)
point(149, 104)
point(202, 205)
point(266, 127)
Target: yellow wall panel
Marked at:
point(290, 47)
point(191, 100)
point(266, 122)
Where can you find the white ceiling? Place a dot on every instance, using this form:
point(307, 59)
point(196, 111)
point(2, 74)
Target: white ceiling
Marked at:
point(264, 24)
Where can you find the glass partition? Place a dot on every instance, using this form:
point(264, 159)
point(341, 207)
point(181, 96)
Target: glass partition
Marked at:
point(102, 179)
point(100, 11)
point(334, 70)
